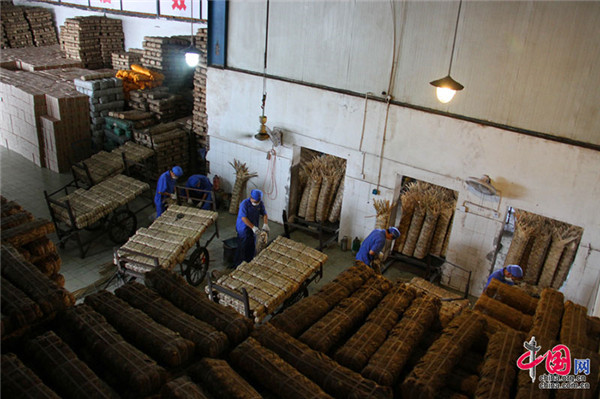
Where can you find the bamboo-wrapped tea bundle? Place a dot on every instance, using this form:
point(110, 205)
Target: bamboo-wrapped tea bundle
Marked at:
point(313, 195)
point(385, 366)
point(15, 220)
point(562, 235)
point(499, 368)
point(338, 381)
point(383, 208)
point(242, 175)
point(65, 370)
point(566, 259)
point(574, 327)
point(273, 372)
point(336, 207)
point(332, 171)
point(182, 388)
point(21, 310)
point(357, 351)
point(525, 228)
point(408, 203)
point(174, 288)
point(504, 313)
point(548, 314)
point(304, 313)
point(537, 254)
point(412, 236)
point(430, 374)
point(133, 368)
point(27, 232)
point(441, 228)
point(162, 343)
point(328, 331)
point(50, 297)
point(10, 208)
point(432, 212)
point(512, 296)
point(582, 353)
point(208, 341)
point(221, 380)
point(451, 304)
point(19, 381)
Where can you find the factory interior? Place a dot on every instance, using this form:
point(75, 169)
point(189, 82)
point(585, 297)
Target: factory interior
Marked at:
point(300, 199)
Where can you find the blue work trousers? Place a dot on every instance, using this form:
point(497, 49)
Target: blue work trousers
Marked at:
point(246, 247)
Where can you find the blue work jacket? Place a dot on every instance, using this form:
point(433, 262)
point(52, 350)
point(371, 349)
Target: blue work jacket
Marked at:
point(374, 242)
point(253, 213)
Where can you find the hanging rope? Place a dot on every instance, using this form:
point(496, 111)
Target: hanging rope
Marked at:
point(270, 183)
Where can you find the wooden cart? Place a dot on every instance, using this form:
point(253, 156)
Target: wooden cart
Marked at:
point(277, 277)
point(103, 207)
point(172, 239)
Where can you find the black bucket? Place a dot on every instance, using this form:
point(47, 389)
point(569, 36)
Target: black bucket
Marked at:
point(229, 248)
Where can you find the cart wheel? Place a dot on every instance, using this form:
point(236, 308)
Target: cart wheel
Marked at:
point(197, 266)
point(122, 226)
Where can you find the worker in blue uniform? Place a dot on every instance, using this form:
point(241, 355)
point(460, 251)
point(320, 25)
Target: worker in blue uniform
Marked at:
point(374, 243)
point(251, 209)
point(200, 182)
point(165, 188)
point(507, 275)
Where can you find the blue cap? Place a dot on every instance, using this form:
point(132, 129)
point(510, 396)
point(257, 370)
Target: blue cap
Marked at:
point(256, 195)
point(177, 171)
point(394, 231)
point(515, 270)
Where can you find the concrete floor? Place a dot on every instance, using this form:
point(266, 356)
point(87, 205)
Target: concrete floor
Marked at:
point(24, 182)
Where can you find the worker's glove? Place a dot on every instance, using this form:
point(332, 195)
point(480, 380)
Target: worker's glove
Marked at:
point(189, 201)
point(255, 230)
point(381, 256)
point(174, 196)
point(266, 228)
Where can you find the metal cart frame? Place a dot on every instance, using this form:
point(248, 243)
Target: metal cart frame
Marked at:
point(328, 232)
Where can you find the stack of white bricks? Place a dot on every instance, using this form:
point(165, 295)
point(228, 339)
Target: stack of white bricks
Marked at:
point(92, 40)
point(41, 118)
point(105, 95)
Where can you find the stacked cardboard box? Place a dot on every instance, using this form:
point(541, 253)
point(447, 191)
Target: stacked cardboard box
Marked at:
point(41, 23)
point(41, 117)
point(199, 122)
point(92, 40)
point(15, 26)
point(167, 55)
point(170, 143)
point(124, 59)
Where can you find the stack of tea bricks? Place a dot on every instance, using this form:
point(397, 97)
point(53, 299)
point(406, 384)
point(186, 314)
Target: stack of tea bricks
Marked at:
point(170, 144)
point(199, 122)
point(123, 60)
point(41, 23)
point(15, 26)
point(166, 55)
point(92, 40)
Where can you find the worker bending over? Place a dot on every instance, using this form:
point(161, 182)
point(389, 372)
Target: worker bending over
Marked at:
point(373, 245)
point(203, 199)
point(165, 188)
point(247, 226)
point(507, 275)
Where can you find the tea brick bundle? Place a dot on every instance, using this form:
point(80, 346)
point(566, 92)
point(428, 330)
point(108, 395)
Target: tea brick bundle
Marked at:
point(162, 343)
point(124, 59)
point(15, 26)
point(451, 305)
point(273, 372)
point(19, 381)
point(504, 313)
point(511, 296)
point(65, 370)
point(41, 22)
point(166, 55)
point(182, 388)
point(208, 341)
point(222, 380)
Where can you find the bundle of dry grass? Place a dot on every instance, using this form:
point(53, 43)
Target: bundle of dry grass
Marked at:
point(174, 288)
point(132, 367)
point(357, 351)
point(336, 207)
point(537, 254)
point(412, 236)
point(333, 170)
point(512, 296)
point(338, 381)
point(19, 381)
point(65, 370)
point(451, 304)
point(242, 175)
point(562, 235)
point(525, 226)
point(430, 374)
point(208, 341)
point(389, 360)
point(221, 380)
point(504, 313)
point(46, 293)
point(182, 388)
point(383, 209)
point(336, 324)
point(432, 206)
point(499, 370)
point(574, 327)
point(273, 372)
point(162, 343)
point(408, 202)
point(567, 257)
point(442, 228)
point(298, 317)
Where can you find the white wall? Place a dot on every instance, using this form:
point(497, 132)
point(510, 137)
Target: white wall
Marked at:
point(526, 64)
point(134, 28)
point(548, 178)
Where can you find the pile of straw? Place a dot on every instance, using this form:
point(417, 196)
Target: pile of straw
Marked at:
point(383, 208)
point(242, 175)
point(426, 216)
point(323, 188)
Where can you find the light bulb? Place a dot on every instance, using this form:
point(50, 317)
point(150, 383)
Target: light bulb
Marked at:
point(192, 59)
point(444, 94)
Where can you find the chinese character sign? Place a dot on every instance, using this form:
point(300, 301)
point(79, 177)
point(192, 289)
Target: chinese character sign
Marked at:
point(180, 8)
point(111, 4)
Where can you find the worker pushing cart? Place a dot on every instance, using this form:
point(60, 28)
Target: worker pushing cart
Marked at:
point(247, 226)
point(165, 188)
